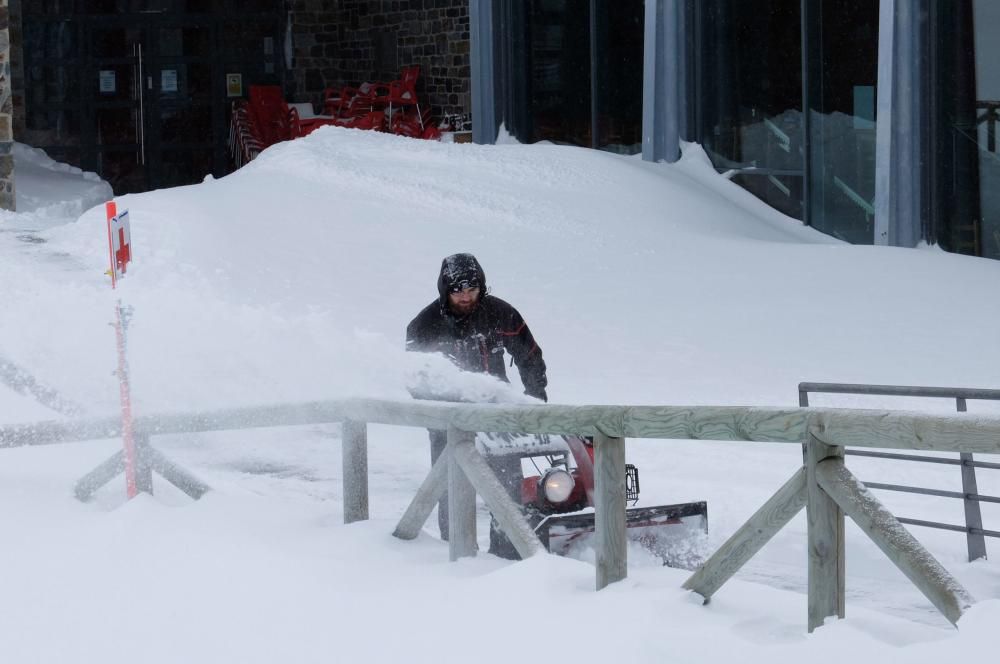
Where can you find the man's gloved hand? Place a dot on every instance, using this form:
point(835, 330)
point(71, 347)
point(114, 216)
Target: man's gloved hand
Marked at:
point(537, 394)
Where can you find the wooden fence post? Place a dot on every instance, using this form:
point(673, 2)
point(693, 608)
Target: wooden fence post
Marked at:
point(428, 495)
point(609, 510)
point(905, 552)
point(176, 475)
point(505, 511)
point(143, 463)
point(751, 537)
point(87, 485)
point(826, 539)
point(461, 501)
point(354, 454)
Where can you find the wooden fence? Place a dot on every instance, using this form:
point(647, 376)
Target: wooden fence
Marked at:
point(823, 485)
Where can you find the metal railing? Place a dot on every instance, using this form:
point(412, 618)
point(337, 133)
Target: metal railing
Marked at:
point(990, 116)
point(822, 485)
point(975, 533)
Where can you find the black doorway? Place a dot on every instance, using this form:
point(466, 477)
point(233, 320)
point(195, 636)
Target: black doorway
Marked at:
point(139, 91)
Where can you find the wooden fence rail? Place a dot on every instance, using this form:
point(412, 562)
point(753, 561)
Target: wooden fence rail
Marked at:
point(823, 485)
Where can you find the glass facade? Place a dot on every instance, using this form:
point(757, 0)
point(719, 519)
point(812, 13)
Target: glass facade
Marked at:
point(575, 72)
point(748, 83)
point(842, 62)
point(963, 111)
point(618, 42)
point(805, 103)
point(746, 94)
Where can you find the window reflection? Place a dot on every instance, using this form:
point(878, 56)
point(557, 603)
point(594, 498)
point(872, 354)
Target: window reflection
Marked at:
point(559, 85)
point(962, 206)
point(747, 94)
point(618, 78)
point(843, 65)
point(560, 93)
point(965, 191)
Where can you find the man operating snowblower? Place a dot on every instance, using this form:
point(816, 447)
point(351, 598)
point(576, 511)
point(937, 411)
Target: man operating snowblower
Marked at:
point(473, 329)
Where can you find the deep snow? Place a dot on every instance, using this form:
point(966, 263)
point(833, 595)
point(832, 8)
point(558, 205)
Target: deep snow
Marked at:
point(294, 279)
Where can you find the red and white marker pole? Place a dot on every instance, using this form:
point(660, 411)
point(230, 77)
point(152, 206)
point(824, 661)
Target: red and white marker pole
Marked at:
point(128, 433)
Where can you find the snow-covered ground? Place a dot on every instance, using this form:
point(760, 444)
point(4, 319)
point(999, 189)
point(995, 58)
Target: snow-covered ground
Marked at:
point(294, 279)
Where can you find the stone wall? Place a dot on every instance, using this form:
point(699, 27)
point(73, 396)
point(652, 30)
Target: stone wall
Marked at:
point(16, 65)
point(6, 114)
point(346, 42)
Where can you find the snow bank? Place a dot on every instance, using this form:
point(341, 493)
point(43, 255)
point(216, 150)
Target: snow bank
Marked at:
point(294, 278)
point(643, 283)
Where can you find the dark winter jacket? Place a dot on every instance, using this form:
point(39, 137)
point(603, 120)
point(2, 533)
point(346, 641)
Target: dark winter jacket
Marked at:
point(477, 342)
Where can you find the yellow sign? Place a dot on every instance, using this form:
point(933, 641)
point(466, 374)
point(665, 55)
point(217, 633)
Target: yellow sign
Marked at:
point(234, 85)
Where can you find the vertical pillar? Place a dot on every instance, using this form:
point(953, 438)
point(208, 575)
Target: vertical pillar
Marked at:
point(461, 501)
point(825, 519)
point(354, 455)
point(662, 80)
point(143, 463)
point(974, 538)
point(484, 122)
point(898, 129)
point(609, 509)
point(6, 114)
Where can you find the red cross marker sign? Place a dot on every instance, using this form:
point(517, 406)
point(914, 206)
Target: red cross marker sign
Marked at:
point(119, 242)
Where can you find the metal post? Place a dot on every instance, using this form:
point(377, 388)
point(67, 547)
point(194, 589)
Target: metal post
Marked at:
point(662, 99)
point(594, 85)
point(883, 122)
point(974, 537)
point(481, 35)
point(805, 24)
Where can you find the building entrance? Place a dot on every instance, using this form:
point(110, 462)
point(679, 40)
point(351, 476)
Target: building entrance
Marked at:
point(142, 96)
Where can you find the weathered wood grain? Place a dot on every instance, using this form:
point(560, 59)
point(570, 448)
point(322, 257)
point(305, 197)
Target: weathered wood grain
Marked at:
point(143, 463)
point(87, 485)
point(751, 537)
point(176, 475)
point(919, 566)
point(609, 510)
point(907, 430)
point(354, 456)
point(843, 427)
point(506, 512)
point(461, 501)
point(428, 495)
point(826, 580)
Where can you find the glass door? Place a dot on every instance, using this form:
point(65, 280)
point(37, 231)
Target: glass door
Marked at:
point(181, 105)
point(118, 84)
point(139, 91)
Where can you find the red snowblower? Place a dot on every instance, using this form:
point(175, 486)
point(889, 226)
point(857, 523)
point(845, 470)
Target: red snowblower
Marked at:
point(557, 498)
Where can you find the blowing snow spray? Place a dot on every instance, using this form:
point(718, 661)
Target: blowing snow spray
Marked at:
point(120, 251)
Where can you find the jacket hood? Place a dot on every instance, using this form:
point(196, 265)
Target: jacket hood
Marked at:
point(460, 271)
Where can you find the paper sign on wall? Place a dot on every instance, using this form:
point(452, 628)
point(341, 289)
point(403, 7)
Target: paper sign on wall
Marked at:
point(107, 80)
point(168, 80)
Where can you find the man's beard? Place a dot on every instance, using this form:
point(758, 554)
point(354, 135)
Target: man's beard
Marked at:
point(464, 309)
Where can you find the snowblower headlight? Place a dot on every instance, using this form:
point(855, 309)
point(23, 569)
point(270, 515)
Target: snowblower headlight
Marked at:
point(557, 485)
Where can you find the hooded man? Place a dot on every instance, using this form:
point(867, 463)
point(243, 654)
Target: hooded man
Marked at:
point(473, 329)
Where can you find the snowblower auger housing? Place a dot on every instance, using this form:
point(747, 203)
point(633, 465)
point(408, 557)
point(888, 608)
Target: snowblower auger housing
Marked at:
point(557, 498)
